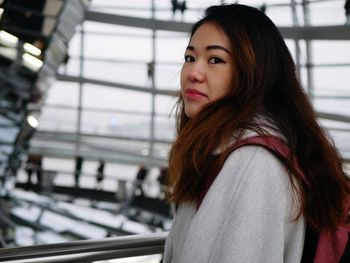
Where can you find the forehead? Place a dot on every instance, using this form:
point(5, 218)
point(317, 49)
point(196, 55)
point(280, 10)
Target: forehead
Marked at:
point(208, 34)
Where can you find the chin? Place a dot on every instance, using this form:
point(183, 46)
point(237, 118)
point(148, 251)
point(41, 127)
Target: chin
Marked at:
point(190, 113)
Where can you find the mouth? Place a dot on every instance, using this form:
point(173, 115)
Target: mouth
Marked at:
point(193, 94)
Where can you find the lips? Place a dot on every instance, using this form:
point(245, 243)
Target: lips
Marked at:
point(193, 94)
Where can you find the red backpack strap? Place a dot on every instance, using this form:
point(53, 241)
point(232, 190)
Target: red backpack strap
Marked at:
point(274, 145)
point(271, 143)
point(330, 246)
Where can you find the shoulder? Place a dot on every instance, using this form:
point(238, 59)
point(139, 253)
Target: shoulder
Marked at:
point(255, 174)
point(253, 196)
point(254, 179)
point(252, 161)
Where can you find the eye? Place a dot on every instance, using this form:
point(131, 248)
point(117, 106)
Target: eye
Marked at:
point(189, 58)
point(215, 60)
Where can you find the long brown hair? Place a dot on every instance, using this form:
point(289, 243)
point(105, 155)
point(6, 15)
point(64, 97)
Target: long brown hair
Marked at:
point(265, 83)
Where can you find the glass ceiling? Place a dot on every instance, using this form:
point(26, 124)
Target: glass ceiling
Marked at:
point(109, 103)
point(106, 103)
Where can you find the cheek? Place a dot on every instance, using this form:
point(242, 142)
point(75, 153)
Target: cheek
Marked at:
point(227, 83)
point(221, 87)
point(182, 77)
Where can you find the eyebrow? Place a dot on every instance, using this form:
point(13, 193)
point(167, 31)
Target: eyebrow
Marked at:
point(211, 47)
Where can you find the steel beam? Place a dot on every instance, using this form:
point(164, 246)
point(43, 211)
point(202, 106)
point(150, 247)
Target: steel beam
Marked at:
point(337, 32)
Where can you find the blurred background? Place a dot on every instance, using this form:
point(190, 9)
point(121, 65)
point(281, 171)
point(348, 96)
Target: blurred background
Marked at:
point(87, 90)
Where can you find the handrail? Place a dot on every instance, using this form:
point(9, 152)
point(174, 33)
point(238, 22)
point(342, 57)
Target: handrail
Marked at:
point(89, 250)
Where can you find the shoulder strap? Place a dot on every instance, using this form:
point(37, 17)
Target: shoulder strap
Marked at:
point(271, 143)
point(275, 146)
point(330, 246)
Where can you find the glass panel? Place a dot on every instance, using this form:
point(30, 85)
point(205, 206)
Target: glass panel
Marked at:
point(171, 46)
point(125, 73)
point(336, 106)
point(331, 78)
point(303, 78)
point(337, 51)
point(165, 105)
point(113, 98)
point(108, 148)
point(63, 93)
point(114, 46)
point(291, 46)
point(335, 125)
point(74, 45)
point(162, 149)
point(97, 28)
point(341, 139)
point(167, 76)
point(116, 121)
point(165, 128)
point(116, 124)
point(280, 15)
point(72, 67)
point(122, 7)
point(8, 135)
point(327, 12)
point(55, 119)
point(164, 10)
point(56, 144)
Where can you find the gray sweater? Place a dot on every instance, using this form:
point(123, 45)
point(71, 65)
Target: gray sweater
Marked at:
point(246, 216)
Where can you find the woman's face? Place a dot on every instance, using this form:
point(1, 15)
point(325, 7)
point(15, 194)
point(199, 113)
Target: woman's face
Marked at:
point(206, 74)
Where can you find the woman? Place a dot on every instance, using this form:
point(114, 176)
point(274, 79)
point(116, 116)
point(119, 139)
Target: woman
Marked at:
point(238, 80)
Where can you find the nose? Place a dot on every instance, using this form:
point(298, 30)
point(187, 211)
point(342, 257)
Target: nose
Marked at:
point(196, 72)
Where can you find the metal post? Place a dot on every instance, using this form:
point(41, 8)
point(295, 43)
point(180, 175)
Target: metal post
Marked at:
point(310, 84)
point(153, 102)
point(296, 41)
point(80, 91)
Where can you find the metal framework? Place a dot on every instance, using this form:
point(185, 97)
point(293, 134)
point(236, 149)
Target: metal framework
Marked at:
point(86, 144)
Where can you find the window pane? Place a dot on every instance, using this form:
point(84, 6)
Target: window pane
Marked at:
point(336, 106)
point(327, 13)
point(167, 76)
point(331, 78)
point(165, 105)
point(116, 124)
point(74, 45)
point(280, 15)
point(58, 119)
point(165, 128)
point(336, 51)
point(117, 46)
point(123, 7)
point(114, 98)
point(58, 91)
point(125, 73)
point(72, 68)
point(171, 46)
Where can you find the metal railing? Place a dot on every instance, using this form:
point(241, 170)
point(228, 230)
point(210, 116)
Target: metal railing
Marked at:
point(87, 250)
